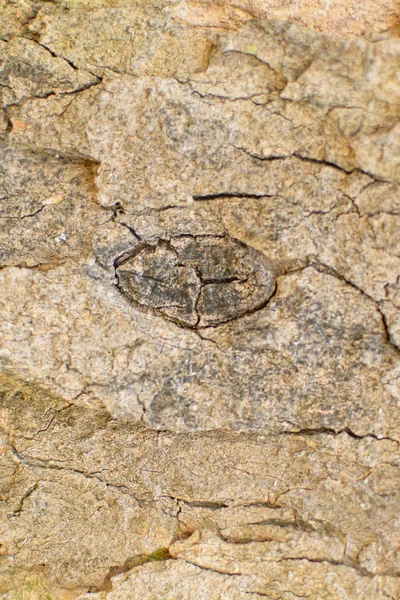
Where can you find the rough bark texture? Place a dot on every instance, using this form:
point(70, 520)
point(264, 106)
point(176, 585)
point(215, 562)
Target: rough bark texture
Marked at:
point(200, 300)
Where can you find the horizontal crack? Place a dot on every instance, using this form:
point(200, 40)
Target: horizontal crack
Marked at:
point(27, 216)
point(210, 504)
point(212, 569)
point(334, 432)
point(362, 571)
point(45, 96)
point(44, 464)
point(222, 195)
point(221, 505)
point(317, 161)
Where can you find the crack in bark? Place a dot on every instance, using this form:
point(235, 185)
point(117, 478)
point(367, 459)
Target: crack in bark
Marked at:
point(329, 431)
point(34, 39)
point(203, 568)
point(389, 336)
point(45, 96)
point(27, 216)
point(210, 95)
point(45, 464)
point(361, 570)
point(350, 565)
point(221, 505)
point(262, 158)
point(54, 55)
point(27, 494)
point(223, 195)
point(210, 504)
point(257, 58)
point(300, 157)
point(264, 595)
point(159, 555)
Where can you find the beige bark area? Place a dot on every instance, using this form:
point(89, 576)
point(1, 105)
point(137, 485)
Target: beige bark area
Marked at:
point(86, 498)
point(199, 300)
point(288, 157)
point(336, 18)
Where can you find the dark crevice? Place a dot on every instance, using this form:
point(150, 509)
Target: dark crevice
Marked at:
point(338, 167)
point(223, 195)
point(36, 212)
point(389, 336)
point(266, 595)
point(27, 216)
point(296, 525)
point(317, 161)
point(7, 87)
point(322, 162)
point(221, 505)
point(221, 280)
point(36, 39)
point(261, 158)
point(330, 431)
point(71, 64)
point(212, 569)
point(253, 56)
point(362, 571)
point(45, 96)
point(161, 554)
point(208, 504)
point(28, 493)
point(259, 504)
point(324, 268)
point(335, 563)
point(210, 95)
point(133, 232)
point(123, 258)
point(161, 209)
point(45, 464)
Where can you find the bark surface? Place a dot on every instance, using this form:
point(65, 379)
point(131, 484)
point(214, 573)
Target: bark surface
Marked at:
point(200, 300)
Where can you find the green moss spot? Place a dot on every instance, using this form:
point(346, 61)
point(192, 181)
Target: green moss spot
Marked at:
point(159, 554)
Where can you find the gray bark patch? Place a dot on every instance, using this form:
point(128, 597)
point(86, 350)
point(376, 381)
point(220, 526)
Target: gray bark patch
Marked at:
point(198, 282)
